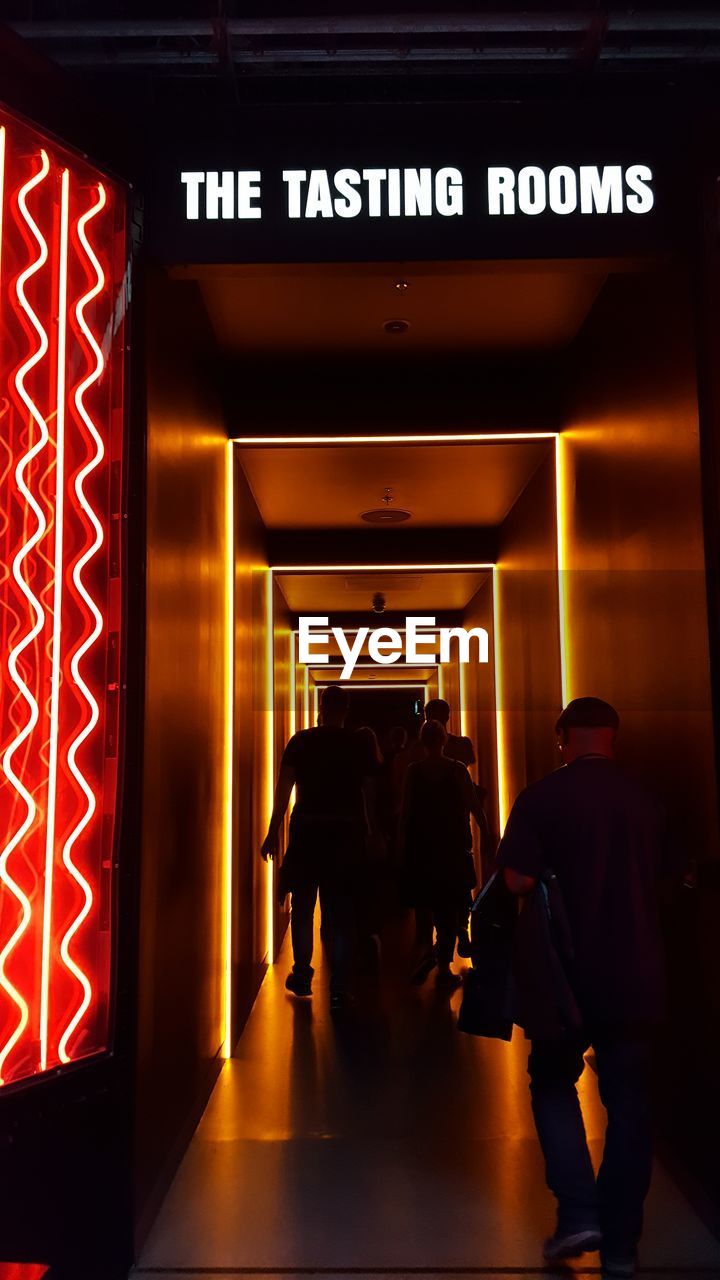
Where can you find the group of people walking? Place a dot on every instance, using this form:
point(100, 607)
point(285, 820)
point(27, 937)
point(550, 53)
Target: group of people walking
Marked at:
point(360, 820)
point(589, 828)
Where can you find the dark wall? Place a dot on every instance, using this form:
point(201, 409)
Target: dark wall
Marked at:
point(180, 1000)
point(637, 612)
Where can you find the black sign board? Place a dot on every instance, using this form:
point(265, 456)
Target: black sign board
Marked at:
point(377, 183)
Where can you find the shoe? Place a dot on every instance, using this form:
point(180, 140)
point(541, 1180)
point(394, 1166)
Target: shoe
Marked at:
point(298, 985)
point(464, 947)
point(570, 1244)
point(617, 1264)
point(424, 969)
point(448, 980)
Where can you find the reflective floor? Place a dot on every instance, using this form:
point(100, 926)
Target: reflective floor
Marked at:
point(385, 1141)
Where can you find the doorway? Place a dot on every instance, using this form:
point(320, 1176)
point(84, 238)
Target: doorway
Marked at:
point(570, 566)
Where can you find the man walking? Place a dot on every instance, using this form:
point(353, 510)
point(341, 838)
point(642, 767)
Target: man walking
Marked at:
point(327, 845)
point(602, 836)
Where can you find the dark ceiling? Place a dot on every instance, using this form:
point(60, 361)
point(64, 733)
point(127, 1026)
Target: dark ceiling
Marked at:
point(231, 40)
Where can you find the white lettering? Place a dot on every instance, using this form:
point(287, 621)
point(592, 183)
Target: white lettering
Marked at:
point(418, 192)
point(348, 203)
point(220, 194)
point(562, 189)
point(448, 192)
point(532, 196)
point(305, 640)
point(248, 191)
point(463, 638)
point(412, 639)
point(293, 179)
point(374, 179)
point(501, 190)
point(318, 200)
point(385, 645)
point(350, 652)
point(638, 177)
point(601, 189)
point(193, 183)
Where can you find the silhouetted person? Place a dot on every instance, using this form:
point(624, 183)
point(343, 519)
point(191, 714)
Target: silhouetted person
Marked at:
point(603, 838)
point(329, 766)
point(438, 801)
point(456, 748)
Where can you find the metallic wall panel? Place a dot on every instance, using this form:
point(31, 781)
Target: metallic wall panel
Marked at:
point(248, 944)
point(636, 574)
point(180, 1002)
point(529, 641)
point(479, 690)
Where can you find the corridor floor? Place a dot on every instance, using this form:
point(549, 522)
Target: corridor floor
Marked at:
point(382, 1142)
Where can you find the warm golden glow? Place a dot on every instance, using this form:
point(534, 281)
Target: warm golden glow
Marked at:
point(503, 800)
point(284, 441)
point(306, 699)
point(462, 691)
point(440, 681)
point(562, 536)
point(269, 712)
point(391, 568)
point(227, 880)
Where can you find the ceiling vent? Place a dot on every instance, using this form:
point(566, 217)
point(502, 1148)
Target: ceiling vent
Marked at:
point(384, 581)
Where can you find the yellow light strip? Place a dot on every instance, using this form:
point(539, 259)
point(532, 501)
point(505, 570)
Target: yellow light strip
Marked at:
point(561, 527)
point(227, 880)
point(435, 438)
point(503, 804)
point(441, 681)
point(292, 689)
point(390, 568)
point(58, 579)
point(306, 699)
point(270, 759)
point(462, 695)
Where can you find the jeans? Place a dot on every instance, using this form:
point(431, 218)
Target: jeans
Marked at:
point(338, 921)
point(614, 1202)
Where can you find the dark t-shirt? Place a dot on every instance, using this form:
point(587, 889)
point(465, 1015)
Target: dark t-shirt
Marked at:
point(457, 748)
point(603, 836)
point(330, 765)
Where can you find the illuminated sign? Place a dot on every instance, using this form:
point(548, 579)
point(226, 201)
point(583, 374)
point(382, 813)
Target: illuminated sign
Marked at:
point(62, 304)
point(411, 192)
point(416, 645)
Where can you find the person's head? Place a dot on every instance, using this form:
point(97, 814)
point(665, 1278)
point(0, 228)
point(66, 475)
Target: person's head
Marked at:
point(587, 726)
point(398, 738)
point(433, 737)
point(371, 746)
point(437, 709)
point(334, 702)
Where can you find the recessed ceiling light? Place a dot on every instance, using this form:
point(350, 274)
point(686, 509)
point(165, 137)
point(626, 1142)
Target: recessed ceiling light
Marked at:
point(396, 326)
point(386, 515)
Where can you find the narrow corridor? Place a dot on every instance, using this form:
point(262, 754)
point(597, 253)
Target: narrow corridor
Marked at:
point(386, 1142)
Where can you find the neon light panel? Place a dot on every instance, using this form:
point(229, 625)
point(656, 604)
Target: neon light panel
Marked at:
point(62, 300)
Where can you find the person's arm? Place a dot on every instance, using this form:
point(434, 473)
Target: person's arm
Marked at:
point(520, 854)
point(283, 792)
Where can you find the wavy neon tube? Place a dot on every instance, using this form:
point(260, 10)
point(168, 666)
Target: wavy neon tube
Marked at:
point(35, 606)
point(55, 644)
point(87, 644)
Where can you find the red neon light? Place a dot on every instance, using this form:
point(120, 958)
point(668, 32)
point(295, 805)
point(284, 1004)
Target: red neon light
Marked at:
point(62, 299)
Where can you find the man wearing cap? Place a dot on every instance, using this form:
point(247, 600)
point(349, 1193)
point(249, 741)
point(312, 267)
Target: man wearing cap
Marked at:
point(603, 837)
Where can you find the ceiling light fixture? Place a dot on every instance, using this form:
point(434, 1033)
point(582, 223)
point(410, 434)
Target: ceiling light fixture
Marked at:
point(387, 514)
point(396, 326)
